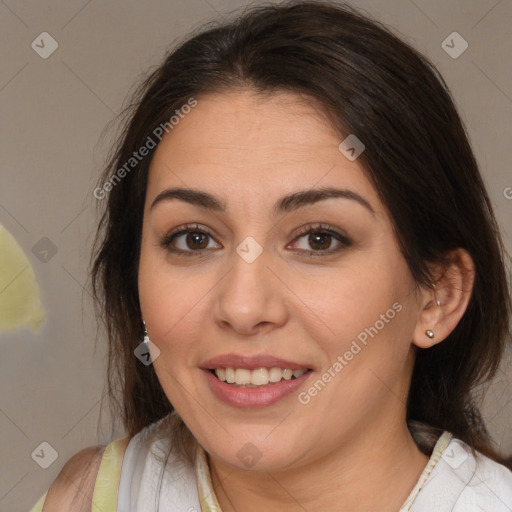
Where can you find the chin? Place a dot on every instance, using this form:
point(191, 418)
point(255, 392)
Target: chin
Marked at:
point(250, 454)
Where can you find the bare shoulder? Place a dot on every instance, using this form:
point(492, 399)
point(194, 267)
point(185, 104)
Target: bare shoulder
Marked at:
point(73, 488)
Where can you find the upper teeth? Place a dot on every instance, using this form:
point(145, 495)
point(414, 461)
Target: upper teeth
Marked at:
point(258, 377)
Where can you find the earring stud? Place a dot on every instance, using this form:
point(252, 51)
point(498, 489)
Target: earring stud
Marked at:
point(429, 333)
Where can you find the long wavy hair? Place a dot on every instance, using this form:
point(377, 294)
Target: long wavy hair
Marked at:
point(417, 156)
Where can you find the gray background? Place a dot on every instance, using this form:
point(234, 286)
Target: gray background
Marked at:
point(54, 111)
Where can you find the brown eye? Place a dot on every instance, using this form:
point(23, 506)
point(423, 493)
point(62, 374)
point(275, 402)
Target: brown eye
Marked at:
point(196, 240)
point(318, 241)
point(188, 241)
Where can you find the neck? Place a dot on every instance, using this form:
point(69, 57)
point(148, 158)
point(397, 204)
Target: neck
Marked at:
point(359, 476)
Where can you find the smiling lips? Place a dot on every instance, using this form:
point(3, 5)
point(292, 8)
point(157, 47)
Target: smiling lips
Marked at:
point(257, 377)
point(254, 381)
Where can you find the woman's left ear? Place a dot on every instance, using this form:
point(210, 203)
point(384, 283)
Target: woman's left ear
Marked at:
point(444, 306)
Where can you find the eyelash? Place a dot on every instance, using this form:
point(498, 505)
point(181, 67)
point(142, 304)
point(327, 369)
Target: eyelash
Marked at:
point(310, 229)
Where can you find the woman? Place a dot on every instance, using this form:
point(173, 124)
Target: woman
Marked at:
point(302, 280)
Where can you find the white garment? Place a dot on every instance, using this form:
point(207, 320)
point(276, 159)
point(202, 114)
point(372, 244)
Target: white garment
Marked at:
point(452, 481)
point(154, 480)
point(459, 482)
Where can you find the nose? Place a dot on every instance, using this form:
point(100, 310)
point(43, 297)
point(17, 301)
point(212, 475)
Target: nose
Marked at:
point(251, 299)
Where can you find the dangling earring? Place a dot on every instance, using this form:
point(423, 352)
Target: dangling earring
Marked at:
point(146, 352)
point(145, 337)
point(429, 333)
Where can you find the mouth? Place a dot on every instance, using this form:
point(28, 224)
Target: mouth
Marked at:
point(258, 377)
point(255, 387)
point(256, 380)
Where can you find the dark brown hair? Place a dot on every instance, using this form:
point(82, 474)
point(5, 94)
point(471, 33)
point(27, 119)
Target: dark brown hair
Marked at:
point(417, 155)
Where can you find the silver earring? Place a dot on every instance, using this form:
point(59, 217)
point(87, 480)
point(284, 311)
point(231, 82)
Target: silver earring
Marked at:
point(429, 333)
point(145, 337)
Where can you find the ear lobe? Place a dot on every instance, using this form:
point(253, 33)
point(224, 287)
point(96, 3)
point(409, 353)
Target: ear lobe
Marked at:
point(444, 306)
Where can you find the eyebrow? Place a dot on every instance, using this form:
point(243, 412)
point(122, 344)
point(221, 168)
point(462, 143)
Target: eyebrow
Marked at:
point(285, 204)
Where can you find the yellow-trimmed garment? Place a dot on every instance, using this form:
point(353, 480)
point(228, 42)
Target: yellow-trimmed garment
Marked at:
point(453, 475)
point(107, 481)
point(109, 475)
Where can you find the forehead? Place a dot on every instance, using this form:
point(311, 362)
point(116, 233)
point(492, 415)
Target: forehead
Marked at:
point(244, 145)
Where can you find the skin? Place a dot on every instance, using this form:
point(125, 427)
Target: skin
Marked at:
point(351, 438)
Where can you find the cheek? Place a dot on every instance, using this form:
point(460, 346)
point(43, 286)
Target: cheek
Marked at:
point(172, 303)
point(368, 318)
point(169, 302)
point(350, 299)
point(366, 339)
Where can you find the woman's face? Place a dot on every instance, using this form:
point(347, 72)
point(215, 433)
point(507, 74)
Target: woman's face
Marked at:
point(273, 275)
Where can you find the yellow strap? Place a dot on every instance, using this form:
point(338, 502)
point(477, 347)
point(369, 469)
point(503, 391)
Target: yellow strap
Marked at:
point(207, 495)
point(109, 475)
point(38, 507)
point(107, 481)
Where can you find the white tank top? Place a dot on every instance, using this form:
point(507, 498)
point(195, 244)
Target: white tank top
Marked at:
point(453, 480)
point(152, 478)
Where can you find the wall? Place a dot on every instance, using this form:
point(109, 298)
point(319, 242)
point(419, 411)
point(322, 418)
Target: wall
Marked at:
point(54, 110)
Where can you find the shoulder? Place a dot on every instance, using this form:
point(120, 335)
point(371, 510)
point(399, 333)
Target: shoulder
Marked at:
point(490, 485)
point(476, 467)
point(464, 481)
point(73, 489)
